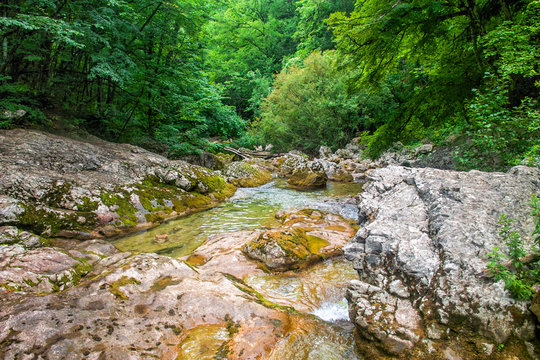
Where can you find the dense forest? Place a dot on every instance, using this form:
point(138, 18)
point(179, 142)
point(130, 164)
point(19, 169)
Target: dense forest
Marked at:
point(184, 76)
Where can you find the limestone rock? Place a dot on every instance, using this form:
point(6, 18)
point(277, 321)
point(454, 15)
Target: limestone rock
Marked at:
point(423, 149)
point(325, 152)
point(424, 238)
point(58, 187)
point(246, 174)
point(308, 176)
point(142, 306)
point(306, 237)
point(289, 163)
point(11, 235)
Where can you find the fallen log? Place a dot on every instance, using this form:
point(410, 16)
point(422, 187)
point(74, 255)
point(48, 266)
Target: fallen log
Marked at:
point(249, 155)
point(237, 152)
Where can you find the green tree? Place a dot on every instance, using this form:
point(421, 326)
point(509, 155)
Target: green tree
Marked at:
point(310, 107)
point(448, 44)
point(250, 39)
point(133, 71)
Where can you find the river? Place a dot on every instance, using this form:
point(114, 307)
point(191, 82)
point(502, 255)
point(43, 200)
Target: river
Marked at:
point(322, 329)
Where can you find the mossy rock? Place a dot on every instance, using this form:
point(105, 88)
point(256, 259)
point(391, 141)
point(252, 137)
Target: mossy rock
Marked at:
point(285, 249)
point(305, 178)
point(49, 222)
point(244, 174)
point(342, 176)
point(108, 212)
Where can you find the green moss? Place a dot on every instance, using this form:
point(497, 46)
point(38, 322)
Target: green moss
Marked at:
point(8, 287)
point(232, 327)
point(213, 183)
point(315, 244)
point(163, 282)
point(301, 249)
point(196, 201)
point(155, 218)
point(223, 351)
point(72, 278)
point(31, 282)
point(87, 204)
point(124, 208)
point(304, 179)
point(115, 286)
point(58, 194)
point(43, 220)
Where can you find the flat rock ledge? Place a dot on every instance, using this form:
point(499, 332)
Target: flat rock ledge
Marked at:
point(106, 304)
point(56, 187)
point(421, 250)
point(87, 300)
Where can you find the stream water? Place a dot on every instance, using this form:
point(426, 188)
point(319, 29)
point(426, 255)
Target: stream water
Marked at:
point(322, 330)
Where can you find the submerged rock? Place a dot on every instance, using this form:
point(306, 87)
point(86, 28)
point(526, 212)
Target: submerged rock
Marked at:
point(161, 238)
point(421, 254)
point(58, 187)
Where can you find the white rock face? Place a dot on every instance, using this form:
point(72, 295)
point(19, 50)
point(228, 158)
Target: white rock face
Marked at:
point(421, 255)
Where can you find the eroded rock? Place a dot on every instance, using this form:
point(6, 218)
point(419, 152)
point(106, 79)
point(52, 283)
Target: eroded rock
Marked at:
point(423, 242)
point(58, 187)
point(308, 176)
point(246, 174)
point(306, 237)
point(138, 306)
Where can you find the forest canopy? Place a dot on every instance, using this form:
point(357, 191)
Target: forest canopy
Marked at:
point(185, 75)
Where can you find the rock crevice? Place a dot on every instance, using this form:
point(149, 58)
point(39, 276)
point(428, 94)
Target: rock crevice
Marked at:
point(424, 239)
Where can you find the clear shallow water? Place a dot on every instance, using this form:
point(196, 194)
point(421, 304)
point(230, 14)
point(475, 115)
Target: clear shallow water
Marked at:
point(249, 208)
point(322, 330)
point(319, 291)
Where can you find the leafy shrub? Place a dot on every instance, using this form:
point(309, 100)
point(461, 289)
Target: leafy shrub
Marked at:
point(500, 135)
point(520, 269)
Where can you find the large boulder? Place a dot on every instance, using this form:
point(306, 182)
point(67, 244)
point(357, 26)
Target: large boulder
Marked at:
point(246, 174)
point(305, 237)
point(421, 253)
point(308, 176)
point(54, 186)
point(287, 164)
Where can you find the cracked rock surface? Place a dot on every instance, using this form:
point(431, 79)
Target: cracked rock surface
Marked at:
point(421, 255)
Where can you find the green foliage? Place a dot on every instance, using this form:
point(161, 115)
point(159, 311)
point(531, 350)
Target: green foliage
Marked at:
point(310, 107)
point(249, 40)
point(129, 69)
point(181, 72)
point(500, 135)
point(312, 31)
point(520, 269)
point(447, 48)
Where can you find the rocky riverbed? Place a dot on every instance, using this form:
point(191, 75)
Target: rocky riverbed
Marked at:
point(420, 237)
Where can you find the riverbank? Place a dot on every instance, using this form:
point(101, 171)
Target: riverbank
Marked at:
point(420, 287)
